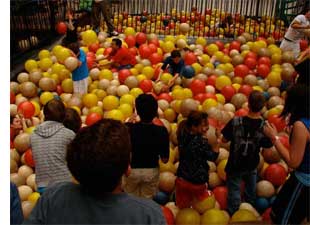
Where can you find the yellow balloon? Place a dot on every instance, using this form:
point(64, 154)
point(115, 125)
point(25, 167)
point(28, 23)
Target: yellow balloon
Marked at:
point(243, 215)
point(57, 67)
point(89, 37)
point(115, 114)
point(169, 115)
point(178, 94)
point(96, 109)
point(45, 63)
point(166, 77)
point(126, 109)
point(187, 93)
point(62, 54)
point(67, 85)
point(106, 74)
point(90, 100)
point(208, 103)
point(129, 31)
point(274, 79)
point(136, 92)
point(110, 102)
point(221, 169)
point(36, 107)
point(44, 54)
point(220, 98)
point(148, 71)
point(212, 48)
point(201, 41)
point(33, 197)
point(168, 46)
point(222, 81)
point(30, 65)
point(45, 97)
point(127, 99)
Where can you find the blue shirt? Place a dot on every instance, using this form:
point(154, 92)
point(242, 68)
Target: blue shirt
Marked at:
point(175, 67)
point(81, 72)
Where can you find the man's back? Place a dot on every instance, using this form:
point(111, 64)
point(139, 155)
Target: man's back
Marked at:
point(67, 203)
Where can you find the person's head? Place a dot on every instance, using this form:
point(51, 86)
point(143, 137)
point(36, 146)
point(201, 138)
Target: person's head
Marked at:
point(146, 106)
point(256, 101)
point(75, 48)
point(71, 37)
point(176, 56)
point(99, 155)
point(297, 103)
point(196, 123)
point(116, 44)
point(54, 110)
point(16, 122)
point(72, 120)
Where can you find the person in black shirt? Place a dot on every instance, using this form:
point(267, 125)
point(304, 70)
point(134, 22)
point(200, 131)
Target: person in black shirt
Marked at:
point(148, 141)
point(194, 149)
point(235, 173)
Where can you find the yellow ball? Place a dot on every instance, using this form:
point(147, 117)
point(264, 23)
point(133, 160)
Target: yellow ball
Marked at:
point(212, 48)
point(201, 41)
point(274, 111)
point(62, 54)
point(187, 93)
point(197, 67)
point(148, 71)
point(178, 94)
point(100, 94)
point(134, 71)
point(33, 197)
point(169, 38)
point(166, 77)
point(274, 79)
point(236, 86)
point(56, 48)
point(204, 59)
point(257, 88)
point(127, 99)
point(139, 67)
point(243, 215)
point(129, 31)
point(67, 85)
point(229, 67)
point(221, 169)
point(170, 115)
point(115, 114)
point(77, 109)
point(214, 216)
point(136, 92)
point(90, 100)
point(126, 109)
point(45, 97)
point(222, 81)
point(168, 46)
point(208, 103)
point(89, 37)
point(220, 98)
point(110, 102)
point(141, 77)
point(96, 109)
point(30, 65)
point(106, 74)
point(44, 54)
point(29, 130)
point(36, 107)
point(45, 63)
point(57, 67)
point(219, 55)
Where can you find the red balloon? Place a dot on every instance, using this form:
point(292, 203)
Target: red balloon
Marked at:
point(210, 95)
point(277, 121)
point(276, 174)
point(190, 58)
point(235, 45)
point(92, 118)
point(123, 74)
point(141, 38)
point(241, 70)
point(241, 112)
point(211, 80)
point(61, 28)
point(12, 97)
point(303, 44)
point(29, 158)
point(264, 60)
point(245, 89)
point(91, 55)
point(168, 215)
point(94, 47)
point(130, 40)
point(220, 45)
point(146, 85)
point(201, 97)
point(285, 140)
point(165, 96)
point(220, 194)
point(155, 58)
point(228, 91)
point(197, 86)
point(250, 62)
point(26, 108)
point(263, 70)
point(144, 51)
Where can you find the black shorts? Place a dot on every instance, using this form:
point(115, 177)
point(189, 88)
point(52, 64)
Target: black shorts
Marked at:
point(292, 203)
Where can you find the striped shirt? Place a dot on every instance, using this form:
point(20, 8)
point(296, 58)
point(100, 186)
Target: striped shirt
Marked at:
point(49, 144)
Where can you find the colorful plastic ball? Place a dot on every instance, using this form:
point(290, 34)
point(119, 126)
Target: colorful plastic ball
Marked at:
point(29, 158)
point(220, 82)
point(235, 45)
point(130, 40)
point(245, 89)
point(241, 70)
point(89, 37)
point(106, 74)
point(168, 46)
point(190, 58)
point(45, 97)
point(197, 86)
point(61, 28)
point(214, 216)
point(110, 102)
point(123, 75)
point(250, 62)
point(168, 214)
point(115, 114)
point(212, 80)
point(155, 58)
point(221, 169)
point(144, 51)
point(211, 49)
point(204, 202)
point(146, 85)
point(26, 108)
point(277, 121)
point(92, 118)
point(220, 194)
point(129, 31)
point(161, 197)
point(261, 204)
point(90, 100)
point(187, 216)
point(188, 72)
point(228, 91)
point(263, 70)
point(276, 174)
point(30, 64)
point(243, 215)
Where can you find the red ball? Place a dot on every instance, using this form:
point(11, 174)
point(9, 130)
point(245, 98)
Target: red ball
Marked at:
point(26, 108)
point(197, 86)
point(130, 40)
point(93, 47)
point(303, 44)
point(263, 70)
point(12, 97)
point(155, 58)
point(59, 89)
point(168, 215)
point(133, 51)
point(228, 91)
point(211, 80)
point(251, 54)
point(277, 121)
point(190, 58)
point(29, 158)
point(250, 62)
point(210, 95)
point(92, 118)
point(154, 41)
point(146, 85)
point(241, 70)
point(153, 48)
point(276, 174)
point(264, 60)
point(144, 51)
point(141, 38)
point(107, 51)
point(220, 194)
point(245, 89)
point(285, 141)
point(266, 215)
point(158, 122)
point(123, 74)
point(220, 45)
point(165, 96)
point(201, 97)
point(235, 45)
point(61, 28)
point(241, 112)
point(90, 62)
